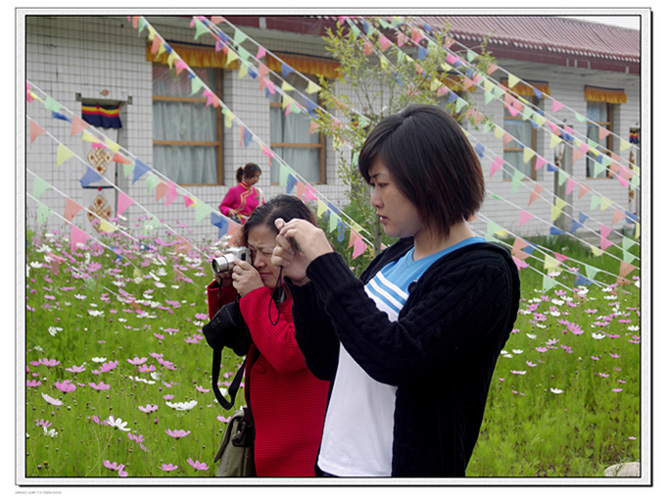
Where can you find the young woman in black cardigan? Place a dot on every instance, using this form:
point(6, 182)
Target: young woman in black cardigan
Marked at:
point(411, 346)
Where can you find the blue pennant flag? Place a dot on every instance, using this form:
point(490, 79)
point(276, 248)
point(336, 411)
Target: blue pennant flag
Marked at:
point(89, 177)
point(422, 53)
point(291, 182)
point(60, 116)
point(631, 218)
point(574, 225)
point(333, 208)
point(551, 168)
point(479, 148)
point(220, 222)
point(537, 92)
point(310, 105)
point(452, 96)
point(582, 280)
point(286, 69)
point(341, 232)
point(247, 137)
point(555, 230)
point(582, 217)
point(251, 72)
point(140, 168)
point(167, 47)
point(529, 248)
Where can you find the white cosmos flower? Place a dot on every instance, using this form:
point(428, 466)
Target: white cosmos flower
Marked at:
point(529, 335)
point(139, 379)
point(598, 336)
point(36, 265)
point(80, 297)
point(633, 328)
point(94, 312)
point(517, 351)
point(118, 424)
point(182, 406)
point(53, 330)
point(557, 302)
point(98, 360)
point(555, 390)
point(51, 433)
point(539, 325)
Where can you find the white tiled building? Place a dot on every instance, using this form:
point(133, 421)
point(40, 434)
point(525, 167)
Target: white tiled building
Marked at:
point(95, 59)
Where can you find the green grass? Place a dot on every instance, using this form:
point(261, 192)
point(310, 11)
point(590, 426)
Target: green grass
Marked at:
point(151, 304)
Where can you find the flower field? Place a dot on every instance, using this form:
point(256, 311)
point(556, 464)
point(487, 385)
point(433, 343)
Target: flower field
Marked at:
point(117, 371)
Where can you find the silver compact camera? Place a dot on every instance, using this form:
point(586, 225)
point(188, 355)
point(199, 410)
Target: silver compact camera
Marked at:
point(225, 262)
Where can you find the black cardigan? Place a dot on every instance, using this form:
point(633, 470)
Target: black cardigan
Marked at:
point(441, 353)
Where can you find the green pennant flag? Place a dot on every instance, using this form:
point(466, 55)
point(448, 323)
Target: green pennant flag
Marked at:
point(151, 182)
point(284, 174)
point(517, 178)
point(243, 54)
point(591, 271)
point(239, 37)
point(43, 214)
point(128, 170)
point(52, 105)
point(197, 83)
point(628, 257)
point(333, 221)
point(200, 28)
point(39, 186)
point(548, 283)
point(460, 104)
point(201, 210)
point(581, 118)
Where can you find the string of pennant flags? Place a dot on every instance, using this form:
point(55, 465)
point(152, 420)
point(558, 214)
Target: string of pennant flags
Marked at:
point(203, 26)
point(627, 176)
point(137, 168)
point(338, 220)
point(472, 77)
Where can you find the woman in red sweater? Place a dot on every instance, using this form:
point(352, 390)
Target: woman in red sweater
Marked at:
point(242, 199)
point(287, 402)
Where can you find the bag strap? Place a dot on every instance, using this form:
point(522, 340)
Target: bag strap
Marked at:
point(235, 384)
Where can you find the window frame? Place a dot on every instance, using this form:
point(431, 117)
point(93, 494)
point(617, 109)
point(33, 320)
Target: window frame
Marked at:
point(220, 126)
point(533, 100)
point(606, 149)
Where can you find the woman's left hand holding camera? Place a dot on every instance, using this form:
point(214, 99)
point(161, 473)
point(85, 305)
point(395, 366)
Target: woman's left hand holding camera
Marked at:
point(245, 277)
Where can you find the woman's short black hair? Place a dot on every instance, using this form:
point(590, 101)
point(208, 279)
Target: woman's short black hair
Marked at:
point(247, 170)
point(431, 161)
point(282, 206)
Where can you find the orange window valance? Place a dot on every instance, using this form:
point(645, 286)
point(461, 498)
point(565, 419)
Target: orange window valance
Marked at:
point(527, 88)
point(304, 64)
point(194, 57)
point(599, 94)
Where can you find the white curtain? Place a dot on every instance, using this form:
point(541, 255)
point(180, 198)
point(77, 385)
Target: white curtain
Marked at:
point(184, 121)
point(522, 131)
point(294, 128)
point(596, 112)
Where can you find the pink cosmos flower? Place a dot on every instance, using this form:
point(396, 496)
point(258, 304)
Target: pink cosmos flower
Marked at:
point(33, 383)
point(530, 364)
point(148, 408)
point(136, 438)
point(575, 329)
point(65, 386)
point(168, 467)
point(50, 400)
point(178, 433)
point(201, 316)
point(108, 366)
point(137, 361)
point(99, 387)
point(111, 465)
point(49, 362)
point(613, 355)
point(76, 369)
point(147, 369)
point(159, 336)
point(603, 375)
point(122, 472)
point(196, 465)
point(42, 423)
point(201, 389)
point(541, 349)
point(223, 419)
point(617, 389)
point(167, 364)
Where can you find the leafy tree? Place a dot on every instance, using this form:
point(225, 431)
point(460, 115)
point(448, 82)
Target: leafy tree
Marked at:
point(374, 83)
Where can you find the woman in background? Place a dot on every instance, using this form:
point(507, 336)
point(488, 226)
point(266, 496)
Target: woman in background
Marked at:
point(286, 400)
point(242, 199)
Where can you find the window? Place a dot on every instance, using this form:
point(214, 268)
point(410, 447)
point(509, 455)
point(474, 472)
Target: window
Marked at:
point(599, 114)
point(187, 134)
point(601, 108)
point(291, 139)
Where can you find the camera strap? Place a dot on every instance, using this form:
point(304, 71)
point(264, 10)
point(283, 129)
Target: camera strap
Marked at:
point(235, 384)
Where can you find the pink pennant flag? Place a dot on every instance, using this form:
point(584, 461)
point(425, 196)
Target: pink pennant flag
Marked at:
point(171, 193)
point(518, 244)
point(352, 238)
point(497, 165)
point(583, 190)
point(622, 180)
point(557, 106)
point(540, 162)
point(384, 42)
point(520, 264)
point(78, 125)
point(124, 201)
point(359, 247)
point(625, 268)
point(216, 19)
point(160, 191)
point(310, 194)
point(157, 43)
point(263, 70)
point(368, 48)
point(402, 38)
point(492, 68)
point(535, 193)
point(560, 257)
point(180, 66)
point(300, 189)
point(71, 209)
point(584, 147)
point(35, 131)
point(617, 216)
point(605, 243)
point(417, 36)
point(605, 231)
point(571, 184)
point(603, 133)
point(525, 216)
point(577, 154)
point(76, 236)
point(261, 52)
point(188, 201)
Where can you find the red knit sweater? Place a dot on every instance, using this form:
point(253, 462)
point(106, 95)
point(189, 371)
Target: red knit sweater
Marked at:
point(288, 403)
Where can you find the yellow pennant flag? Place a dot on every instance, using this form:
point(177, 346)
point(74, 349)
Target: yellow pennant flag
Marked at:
point(312, 88)
point(171, 59)
point(556, 209)
point(597, 252)
point(242, 71)
point(113, 146)
point(528, 154)
point(488, 85)
point(550, 263)
point(624, 145)
point(231, 57)
point(605, 203)
point(513, 80)
point(228, 118)
point(287, 101)
point(63, 155)
point(435, 84)
point(286, 86)
point(499, 132)
point(541, 120)
point(106, 226)
point(89, 137)
point(321, 208)
point(554, 140)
